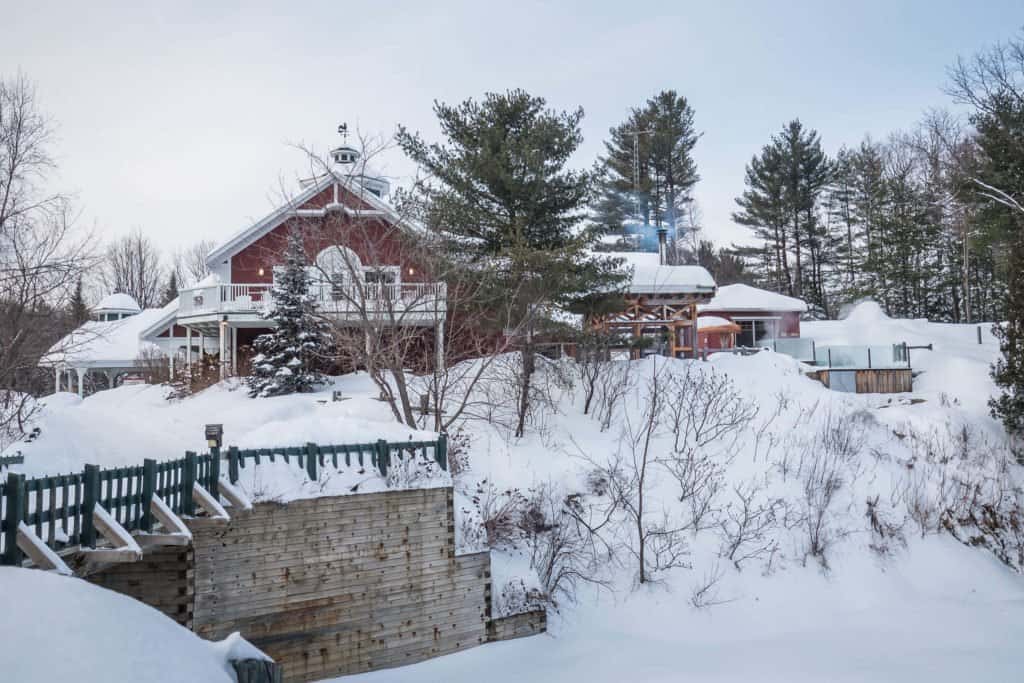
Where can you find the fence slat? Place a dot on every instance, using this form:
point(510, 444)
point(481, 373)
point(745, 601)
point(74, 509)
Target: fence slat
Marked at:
point(14, 493)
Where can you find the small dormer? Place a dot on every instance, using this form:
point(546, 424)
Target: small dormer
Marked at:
point(115, 307)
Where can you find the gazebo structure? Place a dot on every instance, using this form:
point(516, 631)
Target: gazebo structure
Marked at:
point(660, 306)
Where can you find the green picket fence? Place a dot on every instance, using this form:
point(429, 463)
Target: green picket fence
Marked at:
point(55, 506)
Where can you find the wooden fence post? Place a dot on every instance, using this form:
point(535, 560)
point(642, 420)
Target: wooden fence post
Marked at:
point(232, 464)
point(90, 498)
point(383, 455)
point(441, 451)
point(212, 481)
point(311, 457)
point(15, 494)
point(188, 479)
point(148, 489)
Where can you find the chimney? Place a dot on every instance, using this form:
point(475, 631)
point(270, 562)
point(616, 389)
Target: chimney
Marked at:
point(663, 246)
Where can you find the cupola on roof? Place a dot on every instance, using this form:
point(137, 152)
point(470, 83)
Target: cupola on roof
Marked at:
point(117, 302)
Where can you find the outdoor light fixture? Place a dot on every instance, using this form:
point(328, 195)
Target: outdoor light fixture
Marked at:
point(411, 271)
point(261, 272)
point(214, 435)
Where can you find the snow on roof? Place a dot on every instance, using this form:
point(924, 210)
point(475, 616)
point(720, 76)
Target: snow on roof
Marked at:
point(82, 632)
point(310, 188)
point(104, 344)
point(117, 302)
point(711, 321)
point(746, 298)
point(650, 277)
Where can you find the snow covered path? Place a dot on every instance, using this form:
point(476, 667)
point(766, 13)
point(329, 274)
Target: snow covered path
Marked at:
point(868, 624)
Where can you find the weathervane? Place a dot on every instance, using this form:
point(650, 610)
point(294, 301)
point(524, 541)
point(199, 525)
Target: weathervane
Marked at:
point(343, 132)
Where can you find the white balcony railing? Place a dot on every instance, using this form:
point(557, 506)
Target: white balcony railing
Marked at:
point(402, 302)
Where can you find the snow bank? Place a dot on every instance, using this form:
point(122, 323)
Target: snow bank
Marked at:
point(65, 629)
point(123, 426)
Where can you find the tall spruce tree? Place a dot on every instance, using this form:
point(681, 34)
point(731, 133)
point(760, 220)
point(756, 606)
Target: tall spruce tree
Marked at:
point(508, 205)
point(288, 359)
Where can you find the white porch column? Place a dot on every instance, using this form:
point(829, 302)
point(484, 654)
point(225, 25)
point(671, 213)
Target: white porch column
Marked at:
point(439, 330)
point(81, 382)
point(56, 378)
point(222, 338)
point(111, 376)
point(234, 351)
point(188, 347)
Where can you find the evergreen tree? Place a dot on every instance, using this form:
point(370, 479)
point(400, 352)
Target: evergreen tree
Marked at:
point(288, 358)
point(510, 208)
point(782, 204)
point(654, 146)
point(78, 310)
point(171, 291)
point(993, 83)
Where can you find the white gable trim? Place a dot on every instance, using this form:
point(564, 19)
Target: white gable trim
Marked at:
point(244, 238)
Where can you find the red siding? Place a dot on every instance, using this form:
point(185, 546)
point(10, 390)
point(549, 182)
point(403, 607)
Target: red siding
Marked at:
point(373, 239)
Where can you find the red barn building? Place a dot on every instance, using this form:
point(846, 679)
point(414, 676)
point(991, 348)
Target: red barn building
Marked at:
point(759, 314)
point(362, 260)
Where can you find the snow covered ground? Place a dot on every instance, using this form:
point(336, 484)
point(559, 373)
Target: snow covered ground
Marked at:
point(850, 577)
point(56, 628)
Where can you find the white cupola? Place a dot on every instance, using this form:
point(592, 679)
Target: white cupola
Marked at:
point(115, 307)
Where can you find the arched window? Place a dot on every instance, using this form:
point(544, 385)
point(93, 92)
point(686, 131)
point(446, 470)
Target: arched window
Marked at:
point(339, 264)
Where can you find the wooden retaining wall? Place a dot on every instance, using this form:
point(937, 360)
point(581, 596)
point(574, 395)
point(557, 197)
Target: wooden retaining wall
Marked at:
point(162, 579)
point(340, 585)
point(518, 625)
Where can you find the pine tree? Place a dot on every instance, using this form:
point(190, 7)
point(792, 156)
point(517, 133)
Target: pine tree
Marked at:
point(648, 171)
point(78, 310)
point(171, 291)
point(288, 358)
point(505, 199)
point(782, 203)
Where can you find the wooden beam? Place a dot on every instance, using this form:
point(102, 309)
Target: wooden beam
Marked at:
point(237, 499)
point(125, 549)
point(41, 554)
point(171, 523)
point(208, 502)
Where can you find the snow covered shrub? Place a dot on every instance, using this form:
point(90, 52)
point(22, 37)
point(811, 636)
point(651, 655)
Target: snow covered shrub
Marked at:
point(706, 415)
point(828, 464)
point(567, 545)
point(747, 525)
point(886, 535)
point(516, 598)
point(458, 453)
point(613, 385)
point(500, 515)
point(705, 593)
point(410, 470)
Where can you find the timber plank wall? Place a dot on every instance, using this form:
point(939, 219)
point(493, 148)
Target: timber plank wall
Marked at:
point(340, 585)
point(877, 380)
point(162, 579)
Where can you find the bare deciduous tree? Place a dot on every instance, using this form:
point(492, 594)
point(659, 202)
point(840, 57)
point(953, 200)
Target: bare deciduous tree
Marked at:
point(42, 256)
point(132, 265)
point(190, 263)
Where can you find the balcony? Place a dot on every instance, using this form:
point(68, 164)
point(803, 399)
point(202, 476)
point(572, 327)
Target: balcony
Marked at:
point(414, 303)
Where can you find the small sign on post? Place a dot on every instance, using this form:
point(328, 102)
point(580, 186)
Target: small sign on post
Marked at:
point(214, 435)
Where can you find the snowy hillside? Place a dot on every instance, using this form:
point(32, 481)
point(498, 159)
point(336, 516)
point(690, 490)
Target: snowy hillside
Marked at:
point(788, 532)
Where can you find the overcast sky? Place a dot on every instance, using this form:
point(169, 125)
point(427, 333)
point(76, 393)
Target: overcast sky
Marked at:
point(176, 117)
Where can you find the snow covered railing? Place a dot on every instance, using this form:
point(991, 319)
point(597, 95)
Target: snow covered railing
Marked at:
point(378, 455)
point(73, 510)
